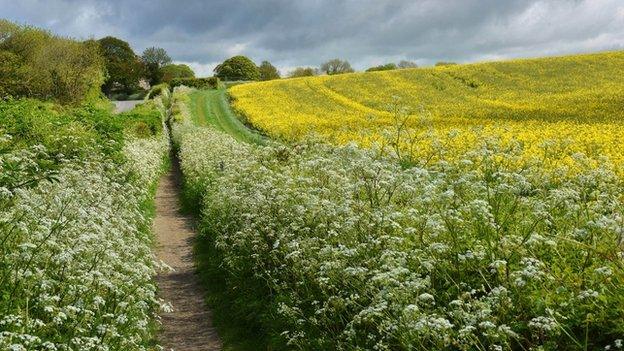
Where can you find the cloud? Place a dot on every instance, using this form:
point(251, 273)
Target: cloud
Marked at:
point(366, 32)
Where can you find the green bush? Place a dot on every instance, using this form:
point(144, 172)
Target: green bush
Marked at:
point(142, 121)
point(158, 90)
point(386, 67)
point(198, 83)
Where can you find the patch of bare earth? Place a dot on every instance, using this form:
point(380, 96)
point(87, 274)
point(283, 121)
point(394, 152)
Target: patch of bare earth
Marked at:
point(189, 325)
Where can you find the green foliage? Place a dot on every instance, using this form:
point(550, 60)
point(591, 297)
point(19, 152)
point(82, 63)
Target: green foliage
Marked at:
point(156, 56)
point(268, 71)
point(199, 83)
point(172, 71)
point(303, 72)
point(13, 75)
point(124, 69)
point(392, 66)
point(445, 63)
point(237, 68)
point(37, 64)
point(70, 132)
point(143, 121)
point(336, 66)
point(75, 262)
point(158, 90)
point(386, 67)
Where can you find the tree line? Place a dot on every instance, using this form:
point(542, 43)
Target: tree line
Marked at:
point(36, 63)
point(242, 68)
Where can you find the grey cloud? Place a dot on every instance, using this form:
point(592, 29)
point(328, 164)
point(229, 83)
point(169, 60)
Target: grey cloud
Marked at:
point(291, 33)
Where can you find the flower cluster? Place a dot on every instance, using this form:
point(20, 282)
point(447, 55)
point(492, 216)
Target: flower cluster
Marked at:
point(341, 248)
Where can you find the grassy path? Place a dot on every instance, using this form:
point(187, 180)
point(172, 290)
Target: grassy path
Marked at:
point(211, 107)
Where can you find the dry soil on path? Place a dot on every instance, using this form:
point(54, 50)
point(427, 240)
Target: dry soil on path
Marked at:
point(189, 326)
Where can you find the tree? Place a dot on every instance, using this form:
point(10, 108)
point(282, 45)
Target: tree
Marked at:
point(154, 59)
point(386, 67)
point(156, 56)
point(237, 68)
point(123, 67)
point(34, 63)
point(336, 66)
point(406, 64)
point(303, 72)
point(268, 71)
point(73, 70)
point(173, 71)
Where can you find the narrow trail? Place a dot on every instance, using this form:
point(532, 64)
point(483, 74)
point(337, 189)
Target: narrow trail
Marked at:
point(189, 325)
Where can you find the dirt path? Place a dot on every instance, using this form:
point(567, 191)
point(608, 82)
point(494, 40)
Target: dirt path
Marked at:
point(189, 326)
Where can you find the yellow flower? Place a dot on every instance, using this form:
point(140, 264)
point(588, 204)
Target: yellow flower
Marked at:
point(555, 108)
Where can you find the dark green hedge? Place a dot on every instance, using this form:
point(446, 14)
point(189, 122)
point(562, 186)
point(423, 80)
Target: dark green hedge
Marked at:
point(199, 83)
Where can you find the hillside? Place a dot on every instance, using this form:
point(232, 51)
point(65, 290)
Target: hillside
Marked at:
point(567, 99)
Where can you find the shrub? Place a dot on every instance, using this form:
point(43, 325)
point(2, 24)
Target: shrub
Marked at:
point(303, 72)
point(386, 67)
point(198, 83)
point(76, 266)
point(143, 121)
point(158, 90)
point(61, 130)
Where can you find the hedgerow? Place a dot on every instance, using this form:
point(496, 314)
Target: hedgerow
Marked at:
point(76, 266)
point(199, 83)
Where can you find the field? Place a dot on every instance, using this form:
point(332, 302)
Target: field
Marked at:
point(554, 107)
point(468, 207)
point(505, 234)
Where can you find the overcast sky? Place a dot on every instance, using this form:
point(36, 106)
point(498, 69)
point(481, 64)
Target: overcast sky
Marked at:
point(293, 33)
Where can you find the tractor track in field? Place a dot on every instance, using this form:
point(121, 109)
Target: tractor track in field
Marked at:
point(211, 108)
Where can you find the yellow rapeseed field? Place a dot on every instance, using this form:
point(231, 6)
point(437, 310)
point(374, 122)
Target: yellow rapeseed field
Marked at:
point(553, 108)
